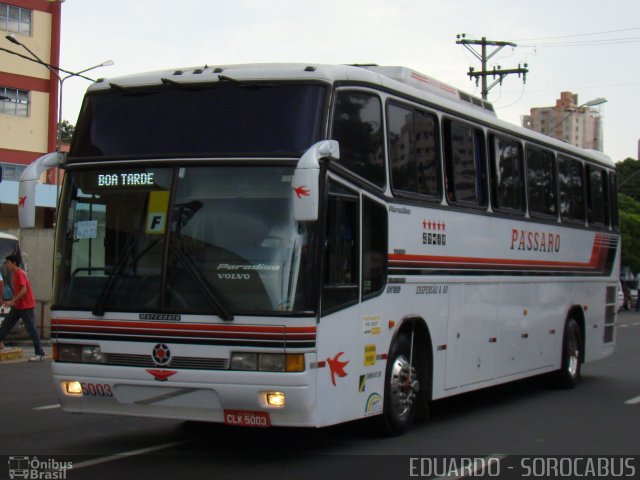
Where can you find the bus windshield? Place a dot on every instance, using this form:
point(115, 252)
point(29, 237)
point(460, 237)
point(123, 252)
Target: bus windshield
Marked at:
point(229, 118)
point(190, 239)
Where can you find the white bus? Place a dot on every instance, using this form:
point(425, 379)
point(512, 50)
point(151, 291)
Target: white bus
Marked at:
point(305, 245)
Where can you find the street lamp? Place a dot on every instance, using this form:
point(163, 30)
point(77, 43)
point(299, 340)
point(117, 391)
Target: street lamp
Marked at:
point(34, 58)
point(55, 71)
point(590, 103)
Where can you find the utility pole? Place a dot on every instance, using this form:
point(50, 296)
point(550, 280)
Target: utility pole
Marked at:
point(483, 57)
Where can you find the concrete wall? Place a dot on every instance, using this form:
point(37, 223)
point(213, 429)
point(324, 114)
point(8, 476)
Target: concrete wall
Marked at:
point(37, 247)
point(28, 134)
point(39, 42)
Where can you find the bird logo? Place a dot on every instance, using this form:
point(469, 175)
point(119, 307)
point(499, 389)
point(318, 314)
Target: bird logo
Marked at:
point(337, 367)
point(161, 375)
point(302, 191)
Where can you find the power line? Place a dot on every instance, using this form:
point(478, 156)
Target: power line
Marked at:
point(578, 35)
point(584, 87)
point(586, 43)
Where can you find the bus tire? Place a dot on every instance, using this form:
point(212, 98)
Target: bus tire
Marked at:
point(401, 388)
point(569, 374)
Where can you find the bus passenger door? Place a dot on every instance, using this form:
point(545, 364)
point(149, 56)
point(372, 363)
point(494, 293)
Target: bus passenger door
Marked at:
point(351, 339)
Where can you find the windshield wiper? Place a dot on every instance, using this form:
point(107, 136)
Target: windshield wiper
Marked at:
point(98, 308)
point(204, 285)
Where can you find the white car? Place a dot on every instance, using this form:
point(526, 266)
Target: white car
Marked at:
point(628, 301)
point(623, 302)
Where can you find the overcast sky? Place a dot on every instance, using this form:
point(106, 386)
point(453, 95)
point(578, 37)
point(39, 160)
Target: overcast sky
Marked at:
point(588, 48)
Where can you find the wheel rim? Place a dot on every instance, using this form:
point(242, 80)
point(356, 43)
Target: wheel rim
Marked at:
point(574, 357)
point(404, 387)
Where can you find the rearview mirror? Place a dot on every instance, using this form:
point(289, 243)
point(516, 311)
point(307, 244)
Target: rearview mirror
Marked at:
point(306, 180)
point(29, 178)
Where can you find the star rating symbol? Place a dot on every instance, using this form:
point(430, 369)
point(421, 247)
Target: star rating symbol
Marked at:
point(433, 225)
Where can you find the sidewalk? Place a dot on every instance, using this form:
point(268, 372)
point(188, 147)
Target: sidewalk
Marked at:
point(22, 351)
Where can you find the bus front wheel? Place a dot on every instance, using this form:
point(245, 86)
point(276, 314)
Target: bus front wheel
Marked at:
point(401, 388)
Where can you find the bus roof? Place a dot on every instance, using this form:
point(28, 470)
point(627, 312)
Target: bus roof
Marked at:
point(400, 79)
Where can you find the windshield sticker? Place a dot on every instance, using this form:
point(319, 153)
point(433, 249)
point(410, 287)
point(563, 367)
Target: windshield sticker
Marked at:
point(157, 212)
point(86, 229)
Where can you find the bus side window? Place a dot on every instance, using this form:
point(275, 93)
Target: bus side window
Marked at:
point(374, 247)
point(413, 152)
point(464, 164)
point(341, 266)
point(572, 195)
point(541, 182)
point(613, 200)
point(597, 201)
point(507, 174)
point(357, 125)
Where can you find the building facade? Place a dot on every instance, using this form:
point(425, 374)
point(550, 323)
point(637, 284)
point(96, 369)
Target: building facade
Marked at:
point(568, 121)
point(28, 101)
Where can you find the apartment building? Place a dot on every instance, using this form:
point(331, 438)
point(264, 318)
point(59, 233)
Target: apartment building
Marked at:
point(579, 125)
point(28, 101)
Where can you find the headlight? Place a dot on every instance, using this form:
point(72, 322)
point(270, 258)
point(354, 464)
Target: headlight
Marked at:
point(244, 361)
point(271, 363)
point(79, 353)
point(267, 362)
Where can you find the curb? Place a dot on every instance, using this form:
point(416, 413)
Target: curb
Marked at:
point(11, 354)
point(15, 353)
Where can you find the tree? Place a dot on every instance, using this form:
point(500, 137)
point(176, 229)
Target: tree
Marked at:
point(66, 131)
point(629, 211)
point(629, 178)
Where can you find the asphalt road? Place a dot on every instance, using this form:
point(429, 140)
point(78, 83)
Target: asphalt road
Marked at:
point(528, 418)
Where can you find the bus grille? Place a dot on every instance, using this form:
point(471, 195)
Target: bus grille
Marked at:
point(192, 363)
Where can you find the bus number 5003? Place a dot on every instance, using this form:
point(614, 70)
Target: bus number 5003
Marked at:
point(96, 390)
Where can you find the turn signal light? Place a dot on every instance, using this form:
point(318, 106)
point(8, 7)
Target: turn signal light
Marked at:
point(295, 362)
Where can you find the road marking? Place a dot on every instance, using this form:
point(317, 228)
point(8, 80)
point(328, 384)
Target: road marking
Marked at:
point(132, 453)
point(48, 407)
point(633, 401)
point(479, 467)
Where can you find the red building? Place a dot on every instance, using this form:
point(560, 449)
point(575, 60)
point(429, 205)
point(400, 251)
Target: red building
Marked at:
point(28, 95)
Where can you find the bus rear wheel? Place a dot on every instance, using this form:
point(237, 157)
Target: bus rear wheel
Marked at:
point(569, 373)
point(401, 388)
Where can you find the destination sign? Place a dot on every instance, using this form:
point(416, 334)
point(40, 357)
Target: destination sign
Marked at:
point(126, 179)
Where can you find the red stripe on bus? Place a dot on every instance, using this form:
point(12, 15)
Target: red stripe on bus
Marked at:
point(180, 326)
point(190, 330)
